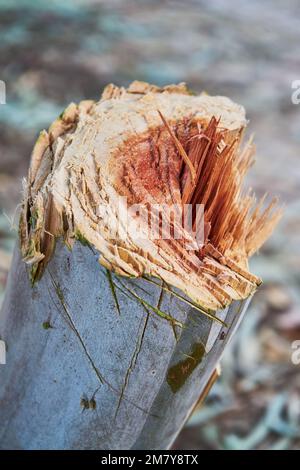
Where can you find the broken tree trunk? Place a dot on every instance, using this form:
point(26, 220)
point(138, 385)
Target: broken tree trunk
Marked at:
point(99, 378)
point(114, 355)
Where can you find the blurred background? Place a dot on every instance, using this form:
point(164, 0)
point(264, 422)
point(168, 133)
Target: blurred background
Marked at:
point(53, 52)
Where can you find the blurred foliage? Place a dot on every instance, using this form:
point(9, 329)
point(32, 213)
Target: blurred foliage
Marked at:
point(55, 52)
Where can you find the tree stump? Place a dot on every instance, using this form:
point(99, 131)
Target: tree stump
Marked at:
point(112, 339)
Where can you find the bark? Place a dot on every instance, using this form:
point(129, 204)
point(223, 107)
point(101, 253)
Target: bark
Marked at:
point(82, 375)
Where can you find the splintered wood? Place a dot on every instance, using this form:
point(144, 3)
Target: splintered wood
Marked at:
point(212, 174)
point(154, 146)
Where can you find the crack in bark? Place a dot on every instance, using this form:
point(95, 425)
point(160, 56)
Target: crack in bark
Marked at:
point(113, 291)
point(133, 361)
point(136, 352)
point(73, 327)
point(70, 322)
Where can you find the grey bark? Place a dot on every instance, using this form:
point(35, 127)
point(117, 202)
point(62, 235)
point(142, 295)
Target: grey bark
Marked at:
point(94, 378)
